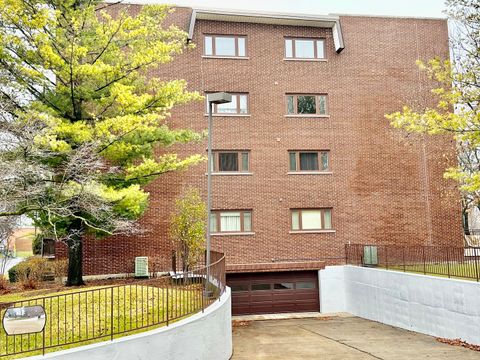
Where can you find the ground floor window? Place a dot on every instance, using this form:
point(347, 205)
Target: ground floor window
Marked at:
point(311, 219)
point(231, 221)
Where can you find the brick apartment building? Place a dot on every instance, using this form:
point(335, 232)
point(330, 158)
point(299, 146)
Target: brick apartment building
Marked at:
point(305, 161)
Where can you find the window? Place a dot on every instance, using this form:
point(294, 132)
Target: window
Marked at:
point(231, 221)
point(304, 48)
point(308, 160)
point(238, 105)
point(230, 161)
point(283, 286)
point(305, 285)
point(239, 287)
point(311, 219)
point(224, 45)
point(306, 104)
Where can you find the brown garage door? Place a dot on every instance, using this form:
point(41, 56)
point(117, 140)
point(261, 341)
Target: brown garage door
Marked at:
point(280, 292)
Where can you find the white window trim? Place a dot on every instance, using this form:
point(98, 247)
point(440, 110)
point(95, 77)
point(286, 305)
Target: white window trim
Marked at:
point(312, 231)
point(246, 233)
point(306, 116)
point(300, 172)
point(226, 57)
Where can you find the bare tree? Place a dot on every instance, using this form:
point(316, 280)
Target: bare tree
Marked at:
point(8, 225)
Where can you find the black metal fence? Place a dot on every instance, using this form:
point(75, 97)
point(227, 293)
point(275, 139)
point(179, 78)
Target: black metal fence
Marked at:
point(457, 262)
point(105, 313)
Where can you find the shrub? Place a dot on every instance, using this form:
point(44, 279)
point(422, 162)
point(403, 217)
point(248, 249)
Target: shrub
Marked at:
point(59, 267)
point(12, 273)
point(37, 244)
point(4, 284)
point(30, 271)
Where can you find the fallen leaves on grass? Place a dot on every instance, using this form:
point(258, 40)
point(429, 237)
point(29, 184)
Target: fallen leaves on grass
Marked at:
point(241, 323)
point(459, 342)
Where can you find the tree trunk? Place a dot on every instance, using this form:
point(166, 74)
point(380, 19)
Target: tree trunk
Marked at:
point(75, 256)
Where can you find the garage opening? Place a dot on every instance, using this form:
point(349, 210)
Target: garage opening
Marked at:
point(278, 292)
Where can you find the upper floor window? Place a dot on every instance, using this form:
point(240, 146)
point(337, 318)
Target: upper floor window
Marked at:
point(300, 48)
point(230, 161)
point(308, 160)
point(231, 221)
point(311, 219)
point(306, 104)
point(238, 105)
point(225, 45)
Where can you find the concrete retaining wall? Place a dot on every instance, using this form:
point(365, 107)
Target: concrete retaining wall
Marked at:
point(436, 306)
point(203, 336)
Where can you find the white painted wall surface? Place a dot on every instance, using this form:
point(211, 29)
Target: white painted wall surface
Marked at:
point(436, 306)
point(203, 336)
point(332, 289)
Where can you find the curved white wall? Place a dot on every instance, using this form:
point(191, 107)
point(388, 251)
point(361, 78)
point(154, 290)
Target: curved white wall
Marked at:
point(203, 336)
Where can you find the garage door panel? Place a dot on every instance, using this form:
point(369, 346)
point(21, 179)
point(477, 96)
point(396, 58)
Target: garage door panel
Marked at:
point(257, 293)
point(255, 297)
point(284, 296)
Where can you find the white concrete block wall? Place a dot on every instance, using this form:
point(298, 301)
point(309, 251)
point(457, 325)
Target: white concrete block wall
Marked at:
point(332, 289)
point(436, 306)
point(203, 336)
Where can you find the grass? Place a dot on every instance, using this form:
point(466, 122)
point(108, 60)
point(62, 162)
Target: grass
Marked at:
point(84, 317)
point(23, 253)
point(464, 271)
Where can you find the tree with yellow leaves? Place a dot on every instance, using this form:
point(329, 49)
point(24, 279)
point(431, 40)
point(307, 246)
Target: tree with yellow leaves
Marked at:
point(80, 119)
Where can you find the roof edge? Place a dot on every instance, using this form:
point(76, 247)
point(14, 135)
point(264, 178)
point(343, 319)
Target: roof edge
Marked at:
point(327, 21)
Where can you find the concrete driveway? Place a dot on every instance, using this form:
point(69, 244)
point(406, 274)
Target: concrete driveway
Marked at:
point(340, 337)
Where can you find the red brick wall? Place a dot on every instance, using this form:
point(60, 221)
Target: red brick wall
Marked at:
point(385, 188)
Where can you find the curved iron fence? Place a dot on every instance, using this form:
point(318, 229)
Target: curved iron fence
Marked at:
point(105, 313)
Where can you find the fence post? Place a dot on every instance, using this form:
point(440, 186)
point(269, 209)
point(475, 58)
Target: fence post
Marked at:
point(403, 258)
point(167, 305)
point(423, 256)
point(475, 258)
point(386, 256)
point(43, 331)
point(448, 264)
point(111, 313)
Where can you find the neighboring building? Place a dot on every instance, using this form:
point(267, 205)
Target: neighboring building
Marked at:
point(305, 161)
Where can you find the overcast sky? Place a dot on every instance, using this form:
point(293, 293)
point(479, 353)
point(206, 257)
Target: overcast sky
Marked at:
point(420, 8)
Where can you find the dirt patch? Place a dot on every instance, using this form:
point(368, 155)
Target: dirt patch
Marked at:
point(458, 342)
point(241, 323)
point(324, 318)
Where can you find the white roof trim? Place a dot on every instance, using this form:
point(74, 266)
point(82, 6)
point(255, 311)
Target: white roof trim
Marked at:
point(332, 22)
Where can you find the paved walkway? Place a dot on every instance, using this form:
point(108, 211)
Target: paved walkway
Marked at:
point(340, 338)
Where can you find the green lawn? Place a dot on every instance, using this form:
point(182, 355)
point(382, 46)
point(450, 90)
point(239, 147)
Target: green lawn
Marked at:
point(85, 317)
point(23, 254)
point(465, 271)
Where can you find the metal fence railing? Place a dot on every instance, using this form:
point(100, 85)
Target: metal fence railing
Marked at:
point(457, 262)
point(109, 312)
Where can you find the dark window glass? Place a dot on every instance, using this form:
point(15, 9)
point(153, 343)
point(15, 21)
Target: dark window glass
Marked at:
point(306, 105)
point(239, 287)
point(322, 103)
point(325, 161)
point(283, 286)
point(293, 161)
point(228, 161)
point(309, 161)
point(244, 161)
point(290, 105)
point(305, 285)
point(256, 287)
